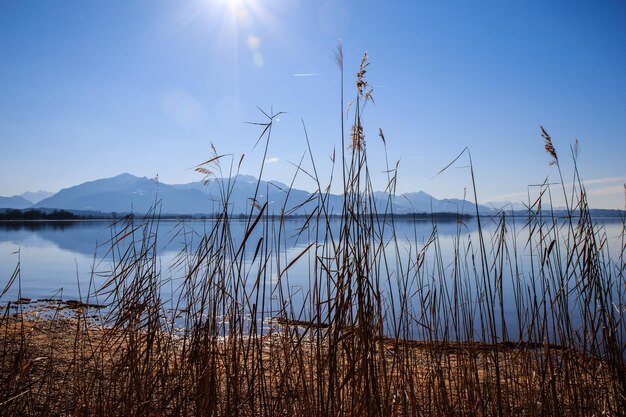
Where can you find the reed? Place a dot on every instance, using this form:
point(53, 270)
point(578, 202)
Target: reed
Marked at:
point(380, 329)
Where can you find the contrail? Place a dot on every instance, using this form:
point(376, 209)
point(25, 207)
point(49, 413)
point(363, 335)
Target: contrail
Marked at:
point(306, 74)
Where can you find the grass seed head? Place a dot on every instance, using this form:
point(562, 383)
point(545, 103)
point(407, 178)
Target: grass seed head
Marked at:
point(549, 147)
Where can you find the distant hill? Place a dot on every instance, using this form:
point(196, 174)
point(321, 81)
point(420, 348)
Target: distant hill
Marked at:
point(421, 202)
point(125, 193)
point(15, 202)
point(241, 189)
point(562, 213)
point(37, 196)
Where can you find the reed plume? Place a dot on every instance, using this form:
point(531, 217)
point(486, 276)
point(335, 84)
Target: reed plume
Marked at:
point(549, 147)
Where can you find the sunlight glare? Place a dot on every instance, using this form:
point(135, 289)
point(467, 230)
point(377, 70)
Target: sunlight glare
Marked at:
point(229, 25)
point(238, 8)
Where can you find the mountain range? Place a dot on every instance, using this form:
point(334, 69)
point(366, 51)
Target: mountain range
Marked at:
point(15, 202)
point(128, 193)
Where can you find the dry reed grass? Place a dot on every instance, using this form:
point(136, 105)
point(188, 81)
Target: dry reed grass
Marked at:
point(377, 334)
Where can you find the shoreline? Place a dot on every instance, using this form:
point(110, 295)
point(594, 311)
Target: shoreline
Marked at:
point(67, 364)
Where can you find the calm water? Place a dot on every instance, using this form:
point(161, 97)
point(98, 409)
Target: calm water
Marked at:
point(57, 258)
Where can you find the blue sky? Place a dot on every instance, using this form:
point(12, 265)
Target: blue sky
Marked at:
point(91, 89)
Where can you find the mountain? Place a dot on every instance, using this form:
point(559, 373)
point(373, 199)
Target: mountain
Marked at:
point(421, 202)
point(37, 196)
point(518, 206)
point(15, 202)
point(126, 193)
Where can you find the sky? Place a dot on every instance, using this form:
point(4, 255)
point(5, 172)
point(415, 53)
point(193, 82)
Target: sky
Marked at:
point(92, 89)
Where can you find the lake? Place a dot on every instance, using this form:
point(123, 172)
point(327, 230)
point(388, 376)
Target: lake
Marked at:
point(68, 260)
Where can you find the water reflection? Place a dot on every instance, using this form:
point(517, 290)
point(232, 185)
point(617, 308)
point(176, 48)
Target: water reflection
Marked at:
point(58, 258)
point(84, 237)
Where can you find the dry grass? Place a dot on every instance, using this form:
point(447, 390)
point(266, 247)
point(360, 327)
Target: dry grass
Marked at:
point(56, 356)
point(380, 330)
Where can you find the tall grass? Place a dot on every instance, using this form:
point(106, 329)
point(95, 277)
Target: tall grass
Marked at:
point(380, 329)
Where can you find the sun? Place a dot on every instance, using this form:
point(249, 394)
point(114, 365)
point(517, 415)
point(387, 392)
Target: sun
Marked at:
point(239, 9)
point(241, 23)
point(234, 3)
point(233, 29)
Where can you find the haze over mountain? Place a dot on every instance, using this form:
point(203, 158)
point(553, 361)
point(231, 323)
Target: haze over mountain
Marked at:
point(37, 196)
point(15, 202)
point(128, 193)
point(421, 202)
